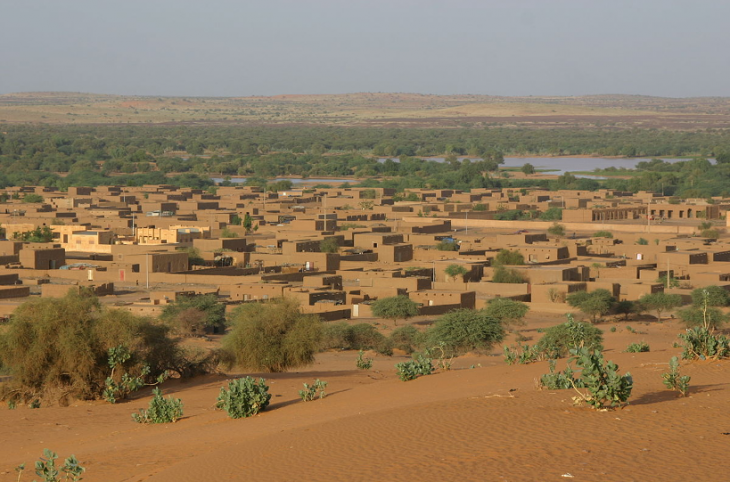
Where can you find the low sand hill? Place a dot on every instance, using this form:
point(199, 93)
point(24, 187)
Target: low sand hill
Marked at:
point(486, 423)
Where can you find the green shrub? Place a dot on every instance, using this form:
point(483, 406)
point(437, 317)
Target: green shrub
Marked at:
point(62, 346)
point(465, 330)
point(455, 270)
point(559, 340)
point(395, 308)
point(640, 347)
point(674, 380)
point(660, 302)
point(367, 337)
point(642, 242)
point(415, 368)
point(595, 304)
point(552, 214)
point(559, 380)
point(504, 275)
point(244, 397)
point(447, 246)
point(191, 315)
point(47, 470)
point(273, 336)
point(510, 312)
point(336, 336)
point(329, 245)
point(556, 230)
point(700, 343)
point(161, 410)
point(119, 386)
point(313, 391)
point(603, 234)
point(606, 388)
point(523, 354)
point(363, 363)
point(406, 338)
point(505, 257)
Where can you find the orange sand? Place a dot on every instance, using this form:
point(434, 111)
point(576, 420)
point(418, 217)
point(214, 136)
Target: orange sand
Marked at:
point(481, 424)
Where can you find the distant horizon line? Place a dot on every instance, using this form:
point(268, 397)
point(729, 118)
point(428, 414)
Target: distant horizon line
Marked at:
point(538, 96)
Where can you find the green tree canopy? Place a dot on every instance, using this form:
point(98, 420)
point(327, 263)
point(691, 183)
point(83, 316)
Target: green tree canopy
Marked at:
point(594, 304)
point(660, 302)
point(273, 336)
point(509, 312)
point(395, 308)
point(464, 330)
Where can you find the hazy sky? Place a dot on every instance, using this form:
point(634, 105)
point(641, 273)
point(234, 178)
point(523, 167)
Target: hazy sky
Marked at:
point(247, 47)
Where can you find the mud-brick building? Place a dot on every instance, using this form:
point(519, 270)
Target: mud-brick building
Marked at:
point(42, 256)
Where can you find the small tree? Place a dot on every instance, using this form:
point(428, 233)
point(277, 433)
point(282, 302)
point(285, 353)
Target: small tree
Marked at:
point(556, 230)
point(446, 245)
point(455, 270)
point(272, 336)
point(247, 222)
point(506, 257)
point(395, 308)
point(560, 339)
point(504, 275)
point(660, 303)
point(528, 169)
point(552, 214)
point(509, 312)
point(191, 315)
point(704, 311)
point(594, 304)
point(329, 245)
point(464, 330)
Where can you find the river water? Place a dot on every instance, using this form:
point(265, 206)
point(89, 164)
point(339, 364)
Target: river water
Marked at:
point(557, 166)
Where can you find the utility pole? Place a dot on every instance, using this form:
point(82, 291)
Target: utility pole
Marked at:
point(466, 217)
point(433, 278)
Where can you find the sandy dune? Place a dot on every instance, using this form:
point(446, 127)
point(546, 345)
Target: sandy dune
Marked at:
point(482, 423)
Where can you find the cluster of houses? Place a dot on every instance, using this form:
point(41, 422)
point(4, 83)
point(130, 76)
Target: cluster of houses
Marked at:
point(336, 250)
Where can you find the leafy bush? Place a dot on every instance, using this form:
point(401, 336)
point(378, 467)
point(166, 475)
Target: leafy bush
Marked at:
point(552, 214)
point(336, 336)
point(120, 386)
point(161, 410)
point(406, 338)
point(191, 315)
point(313, 391)
point(362, 336)
point(556, 230)
point(559, 340)
point(708, 317)
point(642, 242)
point(46, 468)
point(511, 215)
point(660, 302)
point(62, 346)
point(37, 235)
point(504, 275)
point(603, 234)
point(395, 308)
point(710, 296)
point(465, 330)
point(329, 245)
point(640, 347)
point(674, 380)
point(594, 304)
point(272, 336)
point(509, 312)
point(700, 343)
point(505, 257)
point(363, 363)
point(244, 397)
point(523, 354)
point(415, 368)
point(559, 380)
point(447, 246)
point(606, 388)
point(455, 270)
